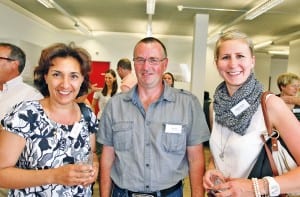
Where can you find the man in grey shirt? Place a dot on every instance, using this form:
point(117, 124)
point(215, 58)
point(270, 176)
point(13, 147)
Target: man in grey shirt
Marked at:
point(152, 135)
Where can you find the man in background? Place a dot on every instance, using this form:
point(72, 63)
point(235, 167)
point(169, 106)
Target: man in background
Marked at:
point(12, 88)
point(125, 72)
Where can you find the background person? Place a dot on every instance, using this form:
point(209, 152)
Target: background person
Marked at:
point(238, 123)
point(169, 79)
point(144, 150)
point(206, 107)
point(124, 71)
point(50, 135)
point(289, 84)
point(101, 97)
point(110, 88)
point(12, 88)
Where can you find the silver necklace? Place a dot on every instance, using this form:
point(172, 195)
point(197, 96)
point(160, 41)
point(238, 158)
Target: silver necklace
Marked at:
point(223, 147)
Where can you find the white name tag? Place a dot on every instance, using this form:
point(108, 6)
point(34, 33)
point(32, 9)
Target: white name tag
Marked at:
point(296, 110)
point(76, 130)
point(173, 128)
point(240, 107)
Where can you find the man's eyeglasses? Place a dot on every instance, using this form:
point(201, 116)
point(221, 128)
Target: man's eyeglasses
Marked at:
point(7, 58)
point(151, 60)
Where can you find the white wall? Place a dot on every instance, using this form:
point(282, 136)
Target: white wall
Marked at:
point(278, 66)
point(213, 78)
point(262, 68)
point(294, 57)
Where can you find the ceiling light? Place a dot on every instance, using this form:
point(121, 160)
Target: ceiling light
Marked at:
point(150, 6)
point(46, 3)
point(279, 52)
point(263, 44)
point(181, 7)
point(261, 8)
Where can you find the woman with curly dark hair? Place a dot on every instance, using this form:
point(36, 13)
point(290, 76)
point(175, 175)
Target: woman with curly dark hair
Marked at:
point(53, 138)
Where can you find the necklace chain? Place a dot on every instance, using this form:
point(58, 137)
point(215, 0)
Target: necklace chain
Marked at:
point(222, 148)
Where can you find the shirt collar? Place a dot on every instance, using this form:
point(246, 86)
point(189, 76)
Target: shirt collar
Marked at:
point(12, 83)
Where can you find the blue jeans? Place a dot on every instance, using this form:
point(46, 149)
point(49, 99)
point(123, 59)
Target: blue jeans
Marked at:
point(118, 192)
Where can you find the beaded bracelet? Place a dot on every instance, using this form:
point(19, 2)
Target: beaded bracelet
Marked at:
point(266, 187)
point(256, 187)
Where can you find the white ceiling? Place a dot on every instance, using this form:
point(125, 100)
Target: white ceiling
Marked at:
point(281, 24)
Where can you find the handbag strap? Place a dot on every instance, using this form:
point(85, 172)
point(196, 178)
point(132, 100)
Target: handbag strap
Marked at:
point(273, 139)
point(265, 112)
point(269, 129)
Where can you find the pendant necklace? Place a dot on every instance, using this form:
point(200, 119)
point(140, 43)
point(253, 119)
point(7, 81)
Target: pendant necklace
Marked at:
point(223, 147)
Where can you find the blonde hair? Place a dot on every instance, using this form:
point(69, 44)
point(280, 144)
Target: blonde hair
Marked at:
point(286, 79)
point(233, 35)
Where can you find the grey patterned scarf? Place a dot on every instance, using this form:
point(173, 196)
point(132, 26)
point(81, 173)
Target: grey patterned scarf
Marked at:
point(250, 91)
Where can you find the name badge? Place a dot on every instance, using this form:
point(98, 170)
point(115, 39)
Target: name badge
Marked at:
point(296, 110)
point(75, 130)
point(240, 107)
point(173, 128)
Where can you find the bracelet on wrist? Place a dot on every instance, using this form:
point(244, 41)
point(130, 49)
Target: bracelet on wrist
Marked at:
point(274, 188)
point(256, 187)
point(266, 187)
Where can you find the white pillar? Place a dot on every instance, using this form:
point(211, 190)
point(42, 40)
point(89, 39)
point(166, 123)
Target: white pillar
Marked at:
point(199, 55)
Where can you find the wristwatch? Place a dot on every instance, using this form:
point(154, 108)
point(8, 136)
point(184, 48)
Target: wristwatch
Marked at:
point(274, 188)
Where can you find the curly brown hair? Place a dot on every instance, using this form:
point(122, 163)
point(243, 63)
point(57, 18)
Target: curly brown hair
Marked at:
point(62, 50)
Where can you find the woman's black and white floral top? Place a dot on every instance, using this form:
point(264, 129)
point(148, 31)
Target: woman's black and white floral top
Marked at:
point(48, 145)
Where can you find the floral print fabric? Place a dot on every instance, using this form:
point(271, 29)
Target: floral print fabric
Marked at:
point(48, 145)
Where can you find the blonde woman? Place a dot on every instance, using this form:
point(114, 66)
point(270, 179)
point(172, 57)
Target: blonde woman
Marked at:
point(238, 122)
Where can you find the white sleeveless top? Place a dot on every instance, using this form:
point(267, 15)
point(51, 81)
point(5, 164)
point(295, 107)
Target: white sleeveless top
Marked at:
point(239, 152)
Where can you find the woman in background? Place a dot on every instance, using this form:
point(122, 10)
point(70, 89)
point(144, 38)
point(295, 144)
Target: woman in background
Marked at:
point(100, 98)
point(42, 140)
point(169, 79)
point(289, 84)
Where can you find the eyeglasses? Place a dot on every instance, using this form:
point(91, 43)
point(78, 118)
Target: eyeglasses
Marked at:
point(151, 60)
point(7, 58)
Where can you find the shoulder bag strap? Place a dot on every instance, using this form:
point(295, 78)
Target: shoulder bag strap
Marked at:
point(273, 139)
point(269, 129)
point(85, 112)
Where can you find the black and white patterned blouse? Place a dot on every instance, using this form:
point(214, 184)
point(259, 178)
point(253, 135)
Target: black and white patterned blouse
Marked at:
point(48, 145)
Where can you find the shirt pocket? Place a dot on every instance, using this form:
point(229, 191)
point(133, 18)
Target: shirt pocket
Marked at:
point(174, 142)
point(122, 135)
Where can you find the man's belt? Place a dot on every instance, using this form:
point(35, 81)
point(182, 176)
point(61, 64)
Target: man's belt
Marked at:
point(164, 192)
